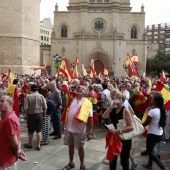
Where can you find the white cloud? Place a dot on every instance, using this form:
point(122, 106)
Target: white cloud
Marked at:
point(157, 11)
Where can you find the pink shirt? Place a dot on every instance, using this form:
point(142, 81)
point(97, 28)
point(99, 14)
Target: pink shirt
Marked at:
point(74, 125)
point(9, 126)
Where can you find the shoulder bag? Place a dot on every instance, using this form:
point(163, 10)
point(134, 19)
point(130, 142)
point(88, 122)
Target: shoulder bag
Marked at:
point(137, 124)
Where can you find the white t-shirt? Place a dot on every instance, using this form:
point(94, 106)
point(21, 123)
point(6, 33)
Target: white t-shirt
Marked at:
point(74, 125)
point(154, 127)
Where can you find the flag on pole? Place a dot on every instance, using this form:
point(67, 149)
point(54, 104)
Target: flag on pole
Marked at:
point(163, 77)
point(11, 77)
point(42, 67)
point(165, 94)
point(100, 75)
point(75, 71)
point(135, 59)
point(84, 70)
point(105, 72)
point(65, 70)
point(92, 73)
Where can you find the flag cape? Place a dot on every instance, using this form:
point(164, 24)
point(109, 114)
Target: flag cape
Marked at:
point(165, 94)
point(162, 77)
point(114, 146)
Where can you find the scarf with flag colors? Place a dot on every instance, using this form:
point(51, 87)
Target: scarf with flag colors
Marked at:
point(165, 94)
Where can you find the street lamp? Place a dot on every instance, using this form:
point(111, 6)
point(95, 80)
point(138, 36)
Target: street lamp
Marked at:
point(57, 61)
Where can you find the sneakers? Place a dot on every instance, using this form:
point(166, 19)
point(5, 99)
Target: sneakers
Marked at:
point(134, 165)
point(106, 162)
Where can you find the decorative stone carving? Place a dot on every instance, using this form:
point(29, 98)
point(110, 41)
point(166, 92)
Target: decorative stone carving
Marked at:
point(113, 35)
point(53, 35)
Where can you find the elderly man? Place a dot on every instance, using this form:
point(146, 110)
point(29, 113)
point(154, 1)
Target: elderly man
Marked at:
point(56, 97)
point(76, 128)
point(10, 149)
point(35, 107)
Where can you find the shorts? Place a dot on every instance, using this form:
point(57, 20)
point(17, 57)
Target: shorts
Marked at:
point(76, 139)
point(34, 122)
point(12, 167)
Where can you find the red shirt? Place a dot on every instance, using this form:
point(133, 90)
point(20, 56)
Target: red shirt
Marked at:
point(9, 126)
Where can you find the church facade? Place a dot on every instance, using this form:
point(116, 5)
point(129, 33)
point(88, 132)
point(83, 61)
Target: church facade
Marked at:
point(101, 29)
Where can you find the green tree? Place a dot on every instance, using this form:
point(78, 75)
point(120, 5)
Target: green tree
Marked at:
point(156, 64)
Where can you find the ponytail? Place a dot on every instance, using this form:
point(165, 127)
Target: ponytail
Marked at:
point(162, 121)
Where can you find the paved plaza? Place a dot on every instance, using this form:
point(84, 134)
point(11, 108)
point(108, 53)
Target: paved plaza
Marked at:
point(54, 156)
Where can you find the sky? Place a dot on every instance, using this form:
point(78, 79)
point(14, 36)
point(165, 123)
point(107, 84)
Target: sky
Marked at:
point(157, 11)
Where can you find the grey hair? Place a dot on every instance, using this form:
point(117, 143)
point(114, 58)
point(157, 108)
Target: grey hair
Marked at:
point(9, 99)
point(53, 83)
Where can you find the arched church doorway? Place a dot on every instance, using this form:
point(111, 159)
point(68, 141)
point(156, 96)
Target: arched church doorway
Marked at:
point(98, 66)
point(101, 59)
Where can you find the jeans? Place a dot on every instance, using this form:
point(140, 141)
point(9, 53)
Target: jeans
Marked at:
point(124, 156)
point(151, 141)
point(55, 118)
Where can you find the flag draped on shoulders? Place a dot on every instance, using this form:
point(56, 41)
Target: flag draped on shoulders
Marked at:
point(165, 94)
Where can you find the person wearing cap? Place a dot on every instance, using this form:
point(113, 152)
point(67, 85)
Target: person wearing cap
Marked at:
point(35, 107)
point(75, 134)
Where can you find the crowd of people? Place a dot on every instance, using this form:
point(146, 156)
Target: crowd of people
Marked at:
point(49, 99)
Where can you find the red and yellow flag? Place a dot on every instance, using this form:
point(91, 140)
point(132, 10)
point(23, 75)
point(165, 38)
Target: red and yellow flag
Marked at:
point(92, 73)
point(11, 77)
point(100, 75)
point(163, 77)
point(75, 71)
point(165, 94)
point(65, 70)
point(135, 59)
point(105, 72)
point(42, 67)
point(84, 70)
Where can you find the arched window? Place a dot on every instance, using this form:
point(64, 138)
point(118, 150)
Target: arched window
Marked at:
point(64, 31)
point(133, 33)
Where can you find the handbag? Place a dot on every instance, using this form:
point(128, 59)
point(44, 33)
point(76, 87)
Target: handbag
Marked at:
point(137, 124)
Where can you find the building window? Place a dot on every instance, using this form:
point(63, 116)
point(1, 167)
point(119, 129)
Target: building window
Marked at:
point(42, 38)
point(64, 31)
point(133, 33)
point(47, 39)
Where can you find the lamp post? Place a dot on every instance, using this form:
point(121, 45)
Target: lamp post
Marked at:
point(57, 61)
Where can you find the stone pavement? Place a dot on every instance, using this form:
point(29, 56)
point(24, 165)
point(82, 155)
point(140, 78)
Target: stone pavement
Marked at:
point(54, 156)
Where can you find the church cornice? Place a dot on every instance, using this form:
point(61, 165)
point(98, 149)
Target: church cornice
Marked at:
point(104, 35)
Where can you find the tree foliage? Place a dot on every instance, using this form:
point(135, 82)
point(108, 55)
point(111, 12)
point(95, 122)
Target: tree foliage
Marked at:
point(157, 63)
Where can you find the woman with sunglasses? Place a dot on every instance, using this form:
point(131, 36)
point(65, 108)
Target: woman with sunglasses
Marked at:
point(115, 112)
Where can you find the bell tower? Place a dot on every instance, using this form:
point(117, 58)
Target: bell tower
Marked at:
point(19, 35)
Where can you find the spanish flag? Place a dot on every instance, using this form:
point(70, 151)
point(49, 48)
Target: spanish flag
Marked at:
point(42, 67)
point(92, 73)
point(100, 75)
point(75, 72)
point(65, 69)
point(84, 70)
point(11, 77)
point(163, 77)
point(135, 59)
point(165, 94)
point(105, 72)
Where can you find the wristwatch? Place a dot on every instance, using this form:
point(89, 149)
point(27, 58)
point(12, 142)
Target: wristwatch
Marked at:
point(120, 131)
